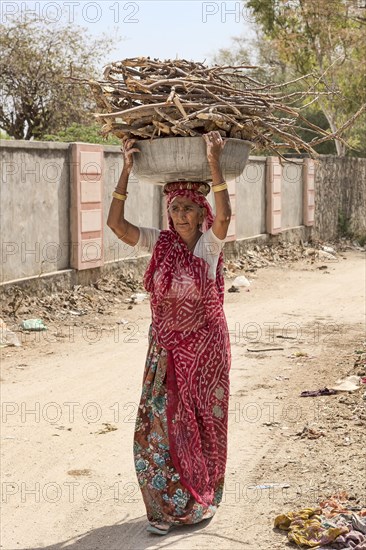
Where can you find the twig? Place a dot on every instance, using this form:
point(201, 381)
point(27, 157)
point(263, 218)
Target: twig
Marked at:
point(145, 97)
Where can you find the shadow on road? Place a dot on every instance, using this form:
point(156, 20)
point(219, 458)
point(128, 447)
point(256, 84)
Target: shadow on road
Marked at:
point(132, 535)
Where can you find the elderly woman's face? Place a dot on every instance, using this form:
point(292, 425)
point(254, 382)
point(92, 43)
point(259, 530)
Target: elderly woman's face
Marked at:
point(186, 215)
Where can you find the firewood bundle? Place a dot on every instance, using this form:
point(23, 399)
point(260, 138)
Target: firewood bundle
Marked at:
point(146, 98)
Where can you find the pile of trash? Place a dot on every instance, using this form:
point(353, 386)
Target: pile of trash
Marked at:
point(354, 400)
point(64, 304)
point(114, 288)
point(355, 380)
point(352, 394)
point(332, 525)
point(283, 253)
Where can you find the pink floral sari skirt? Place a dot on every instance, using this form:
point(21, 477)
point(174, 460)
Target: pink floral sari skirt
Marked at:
point(166, 498)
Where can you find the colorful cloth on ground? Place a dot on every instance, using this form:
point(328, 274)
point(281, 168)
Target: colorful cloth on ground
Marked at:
point(189, 324)
point(355, 539)
point(166, 498)
point(305, 528)
point(316, 393)
point(308, 527)
point(337, 504)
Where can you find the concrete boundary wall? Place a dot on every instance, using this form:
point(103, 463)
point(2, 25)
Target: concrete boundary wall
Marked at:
point(270, 197)
point(251, 199)
point(35, 205)
point(340, 191)
point(39, 192)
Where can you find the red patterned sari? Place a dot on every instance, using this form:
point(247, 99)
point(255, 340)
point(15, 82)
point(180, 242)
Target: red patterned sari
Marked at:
point(180, 441)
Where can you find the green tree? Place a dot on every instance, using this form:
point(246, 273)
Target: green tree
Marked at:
point(37, 58)
point(327, 39)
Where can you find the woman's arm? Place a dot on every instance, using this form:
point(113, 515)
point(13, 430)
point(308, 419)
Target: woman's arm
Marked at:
point(124, 230)
point(214, 147)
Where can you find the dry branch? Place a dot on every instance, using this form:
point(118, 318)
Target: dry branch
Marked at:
point(147, 98)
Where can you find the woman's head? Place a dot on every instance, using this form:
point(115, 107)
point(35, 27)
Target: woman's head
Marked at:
point(188, 211)
point(187, 216)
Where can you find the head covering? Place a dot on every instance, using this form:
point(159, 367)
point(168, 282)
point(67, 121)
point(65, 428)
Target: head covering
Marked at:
point(199, 186)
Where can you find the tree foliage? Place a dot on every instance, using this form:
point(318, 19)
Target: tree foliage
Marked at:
point(321, 38)
point(37, 58)
point(90, 133)
point(327, 39)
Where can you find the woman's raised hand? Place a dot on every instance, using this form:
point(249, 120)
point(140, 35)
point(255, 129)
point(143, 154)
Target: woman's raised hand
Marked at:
point(128, 149)
point(214, 145)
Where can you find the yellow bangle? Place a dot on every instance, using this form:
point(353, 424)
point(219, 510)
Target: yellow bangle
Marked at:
point(125, 233)
point(119, 196)
point(220, 187)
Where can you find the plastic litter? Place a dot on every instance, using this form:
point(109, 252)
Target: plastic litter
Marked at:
point(328, 249)
point(323, 255)
point(240, 281)
point(8, 337)
point(33, 324)
point(351, 383)
point(138, 298)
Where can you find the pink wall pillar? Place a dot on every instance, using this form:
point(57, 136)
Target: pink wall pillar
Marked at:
point(273, 195)
point(309, 191)
point(86, 206)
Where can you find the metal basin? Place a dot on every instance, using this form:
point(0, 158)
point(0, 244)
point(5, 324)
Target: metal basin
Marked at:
point(184, 159)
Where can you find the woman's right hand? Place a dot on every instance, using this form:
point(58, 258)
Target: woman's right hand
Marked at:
point(214, 146)
point(128, 149)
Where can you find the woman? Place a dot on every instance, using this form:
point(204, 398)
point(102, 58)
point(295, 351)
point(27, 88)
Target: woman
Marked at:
point(180, 442)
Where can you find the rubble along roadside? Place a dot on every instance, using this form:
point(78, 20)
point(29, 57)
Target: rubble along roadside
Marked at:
point(113, 289)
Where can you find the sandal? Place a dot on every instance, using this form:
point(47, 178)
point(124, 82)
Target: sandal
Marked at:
point(158, 530)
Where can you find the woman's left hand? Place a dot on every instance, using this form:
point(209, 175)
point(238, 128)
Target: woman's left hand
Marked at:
point(214, 145)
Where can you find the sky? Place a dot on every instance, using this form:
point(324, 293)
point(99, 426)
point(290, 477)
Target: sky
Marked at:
point(189, 29)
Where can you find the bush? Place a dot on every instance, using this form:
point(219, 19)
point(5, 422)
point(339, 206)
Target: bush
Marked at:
point(80, 132)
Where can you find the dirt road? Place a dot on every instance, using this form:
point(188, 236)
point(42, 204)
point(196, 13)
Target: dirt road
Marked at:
point(70, 397)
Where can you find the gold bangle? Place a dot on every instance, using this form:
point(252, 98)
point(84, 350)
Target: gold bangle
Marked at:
point(125, 233)
point(119, 196)
point(220, 187)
